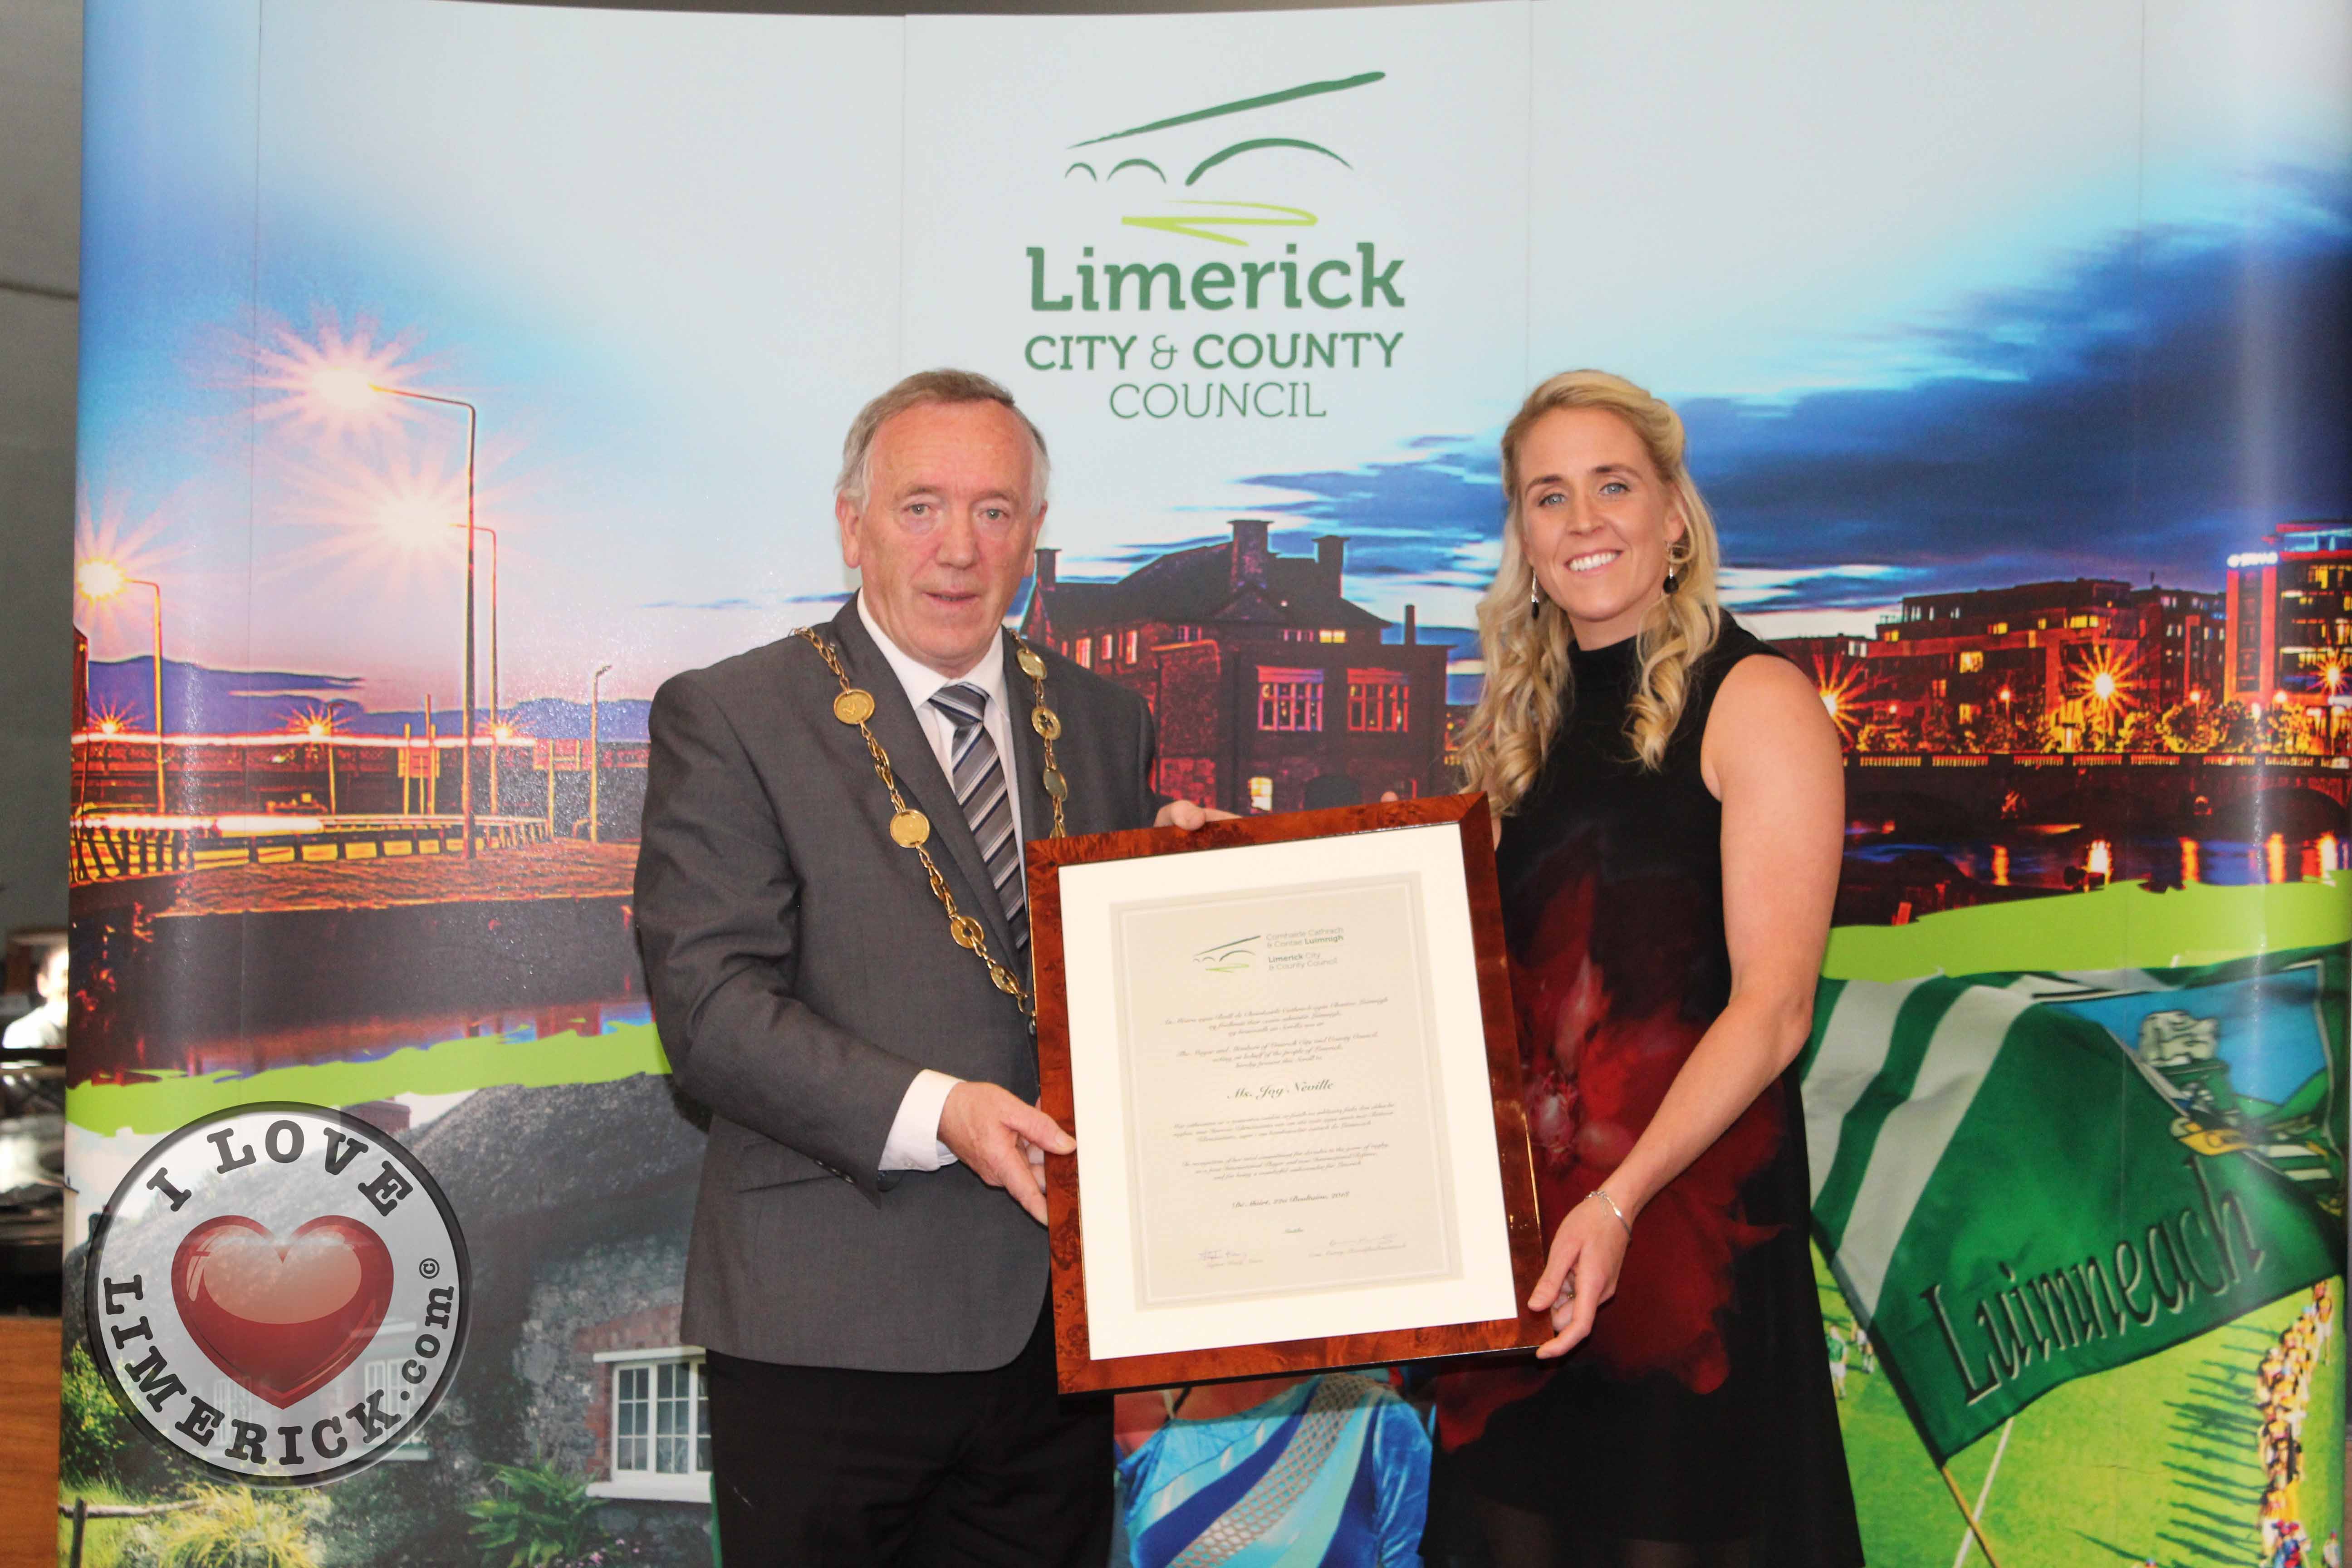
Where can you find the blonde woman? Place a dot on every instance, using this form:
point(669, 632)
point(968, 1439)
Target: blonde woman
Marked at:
point(1672, 807)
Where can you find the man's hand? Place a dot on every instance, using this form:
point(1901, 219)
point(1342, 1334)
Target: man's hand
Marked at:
point(1188, 815)
point(988, 1129)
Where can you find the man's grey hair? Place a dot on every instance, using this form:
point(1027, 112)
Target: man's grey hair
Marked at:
point(930, 386)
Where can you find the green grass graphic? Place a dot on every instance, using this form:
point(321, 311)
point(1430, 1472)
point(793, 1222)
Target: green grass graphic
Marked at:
point(2152, 1459)
point(2122, 926)
point(477, 1061)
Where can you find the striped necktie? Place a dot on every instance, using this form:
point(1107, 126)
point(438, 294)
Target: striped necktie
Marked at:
point(978, 775)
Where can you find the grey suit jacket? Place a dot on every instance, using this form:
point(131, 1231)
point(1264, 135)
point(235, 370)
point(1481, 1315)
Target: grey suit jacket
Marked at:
point(802, 973)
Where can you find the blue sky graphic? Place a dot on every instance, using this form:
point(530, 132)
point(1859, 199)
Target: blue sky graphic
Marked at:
point(2159, 404)
point(2162, 404)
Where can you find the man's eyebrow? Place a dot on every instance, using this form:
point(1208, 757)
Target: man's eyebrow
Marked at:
point(911, 492)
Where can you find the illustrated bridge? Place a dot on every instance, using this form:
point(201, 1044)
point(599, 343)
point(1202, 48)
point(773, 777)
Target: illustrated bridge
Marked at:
point(2223, 794)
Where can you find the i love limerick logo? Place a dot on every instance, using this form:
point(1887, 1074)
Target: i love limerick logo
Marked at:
point(278, 1291)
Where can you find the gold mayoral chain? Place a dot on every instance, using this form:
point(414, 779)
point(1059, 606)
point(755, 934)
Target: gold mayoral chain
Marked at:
point(910, 829)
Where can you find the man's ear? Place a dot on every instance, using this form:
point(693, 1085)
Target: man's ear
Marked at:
point(845, 516)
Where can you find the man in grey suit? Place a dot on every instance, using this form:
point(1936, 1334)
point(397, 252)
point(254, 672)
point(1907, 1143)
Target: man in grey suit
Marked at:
point(863, 1273)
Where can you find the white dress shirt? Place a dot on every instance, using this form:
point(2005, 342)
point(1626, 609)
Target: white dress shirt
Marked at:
point(42, 1029)
point(914, 1141)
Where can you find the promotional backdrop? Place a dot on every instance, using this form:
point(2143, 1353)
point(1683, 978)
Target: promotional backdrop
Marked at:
point(2011, 342)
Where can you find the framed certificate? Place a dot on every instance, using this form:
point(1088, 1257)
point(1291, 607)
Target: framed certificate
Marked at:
point(1286, 1046)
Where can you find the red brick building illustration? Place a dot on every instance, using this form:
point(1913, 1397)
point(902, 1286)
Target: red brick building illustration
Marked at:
point(1272, 692)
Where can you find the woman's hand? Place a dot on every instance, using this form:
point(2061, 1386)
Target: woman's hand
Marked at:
point(1586, 1251)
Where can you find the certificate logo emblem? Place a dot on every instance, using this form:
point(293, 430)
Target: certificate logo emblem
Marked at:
point(1230, 957)
point(280, 1292)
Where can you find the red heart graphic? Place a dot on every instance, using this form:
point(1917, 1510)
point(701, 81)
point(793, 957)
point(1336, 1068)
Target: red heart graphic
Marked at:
point(282, 1317)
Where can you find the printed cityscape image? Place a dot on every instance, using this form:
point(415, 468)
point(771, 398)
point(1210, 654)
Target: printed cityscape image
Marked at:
point(411, 466)
point(2002, 742)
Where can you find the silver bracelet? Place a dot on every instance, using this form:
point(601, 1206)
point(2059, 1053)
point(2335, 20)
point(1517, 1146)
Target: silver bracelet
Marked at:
point(1603, 1194)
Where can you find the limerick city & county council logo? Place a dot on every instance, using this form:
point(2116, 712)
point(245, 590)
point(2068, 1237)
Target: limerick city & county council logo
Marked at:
point(1158, 303)
point(278, 1291)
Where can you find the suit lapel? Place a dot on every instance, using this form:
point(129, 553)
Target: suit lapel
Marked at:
point(921, 779)
point(1029, 749)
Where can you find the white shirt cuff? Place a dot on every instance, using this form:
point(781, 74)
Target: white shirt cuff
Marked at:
point(914, 1141)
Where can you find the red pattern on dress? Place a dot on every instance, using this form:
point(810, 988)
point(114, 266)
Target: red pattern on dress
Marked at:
point(1594, 1075)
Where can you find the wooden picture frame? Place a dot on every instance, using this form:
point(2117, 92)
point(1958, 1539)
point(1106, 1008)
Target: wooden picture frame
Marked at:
point(1079, 1368)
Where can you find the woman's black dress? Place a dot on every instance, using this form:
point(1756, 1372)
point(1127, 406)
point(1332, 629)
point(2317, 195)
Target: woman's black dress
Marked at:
point(1699, 1411)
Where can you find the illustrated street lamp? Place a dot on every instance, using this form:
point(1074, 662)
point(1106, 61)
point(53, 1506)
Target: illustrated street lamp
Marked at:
point(323, 732)
point(101, 579)
point(497, 731)
point(595, 755)
point(466, 753)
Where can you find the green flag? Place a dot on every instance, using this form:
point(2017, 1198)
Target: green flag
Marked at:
point(2022, 1178)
